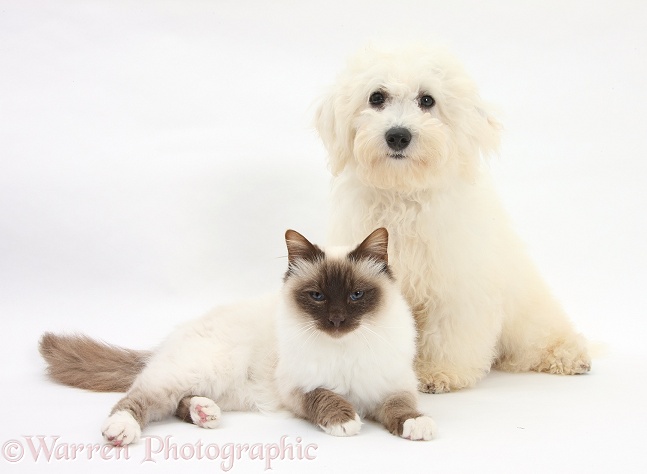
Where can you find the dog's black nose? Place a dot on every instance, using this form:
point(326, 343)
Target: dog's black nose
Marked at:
point(398, 138)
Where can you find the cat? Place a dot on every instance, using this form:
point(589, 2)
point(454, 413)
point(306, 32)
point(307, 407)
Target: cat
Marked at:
point(335, 345)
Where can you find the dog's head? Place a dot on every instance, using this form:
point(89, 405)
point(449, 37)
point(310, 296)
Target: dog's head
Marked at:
point(406, 120)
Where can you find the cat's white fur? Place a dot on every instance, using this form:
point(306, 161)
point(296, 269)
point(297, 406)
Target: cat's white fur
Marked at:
point(255, 355)
point(477, 297)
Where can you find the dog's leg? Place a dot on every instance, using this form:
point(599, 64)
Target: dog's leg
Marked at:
point(454, 351)
point(539, 337)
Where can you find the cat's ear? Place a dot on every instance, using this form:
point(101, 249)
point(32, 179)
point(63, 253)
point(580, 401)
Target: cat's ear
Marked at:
point(300, 248)
point(375, 246)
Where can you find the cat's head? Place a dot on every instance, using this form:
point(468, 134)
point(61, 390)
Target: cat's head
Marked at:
point(337, 289)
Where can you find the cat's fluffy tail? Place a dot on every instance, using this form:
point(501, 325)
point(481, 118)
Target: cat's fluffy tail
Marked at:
point(82, 362)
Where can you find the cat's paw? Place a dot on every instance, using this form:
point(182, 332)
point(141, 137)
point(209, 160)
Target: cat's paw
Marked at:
point(204, 412)
point(420, 428)
point(121, 429)
point(349, 428)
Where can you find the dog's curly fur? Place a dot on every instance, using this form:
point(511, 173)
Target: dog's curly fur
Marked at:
point(477, 297)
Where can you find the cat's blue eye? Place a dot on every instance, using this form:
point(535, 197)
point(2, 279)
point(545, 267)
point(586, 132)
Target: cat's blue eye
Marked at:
point(315, 295)
point(356, 295)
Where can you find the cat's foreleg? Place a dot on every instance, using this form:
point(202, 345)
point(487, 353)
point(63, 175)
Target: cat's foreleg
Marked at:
point(201, 411)
point(332, 412)
point(132, 413)
point(126, 420)
point(399, 414)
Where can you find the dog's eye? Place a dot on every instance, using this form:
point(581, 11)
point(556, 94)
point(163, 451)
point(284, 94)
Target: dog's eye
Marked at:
point(426, 102)
point(376, 98)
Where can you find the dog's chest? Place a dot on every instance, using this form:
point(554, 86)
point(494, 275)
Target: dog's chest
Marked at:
point(423, 238)
point(421, 233)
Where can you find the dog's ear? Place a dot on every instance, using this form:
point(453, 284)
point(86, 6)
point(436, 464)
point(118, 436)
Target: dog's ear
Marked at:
point(487, 130)
point(332, 128)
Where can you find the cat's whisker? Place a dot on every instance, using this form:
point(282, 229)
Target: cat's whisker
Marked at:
point(385, 340)
point(297, 337)
point(303, 337)
point(368, 344)
point(387, 327)
point(305, 342)
point(305, 325)
point(303, 329)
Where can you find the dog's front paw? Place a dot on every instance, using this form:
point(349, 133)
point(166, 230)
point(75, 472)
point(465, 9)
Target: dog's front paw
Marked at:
point(436, 383)
point(565, 359)
point(121, 429)
point(204, 412)
point(443, 380)
point(348, 428)
point(420, 428)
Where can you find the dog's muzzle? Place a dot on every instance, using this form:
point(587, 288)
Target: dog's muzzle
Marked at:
point(397, 138)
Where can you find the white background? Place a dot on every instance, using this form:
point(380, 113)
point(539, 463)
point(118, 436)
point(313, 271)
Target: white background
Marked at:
point(153, 153)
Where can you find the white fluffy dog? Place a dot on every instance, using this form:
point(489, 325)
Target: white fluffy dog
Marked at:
point(406, 131)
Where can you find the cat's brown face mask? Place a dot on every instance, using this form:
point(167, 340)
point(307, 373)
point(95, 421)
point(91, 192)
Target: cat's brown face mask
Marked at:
point(337, 292)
